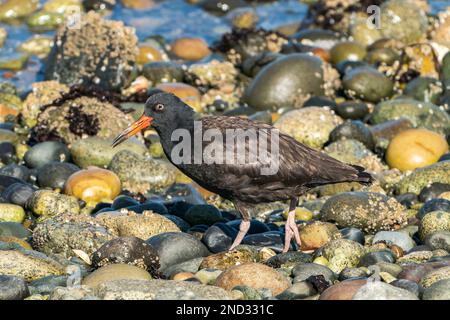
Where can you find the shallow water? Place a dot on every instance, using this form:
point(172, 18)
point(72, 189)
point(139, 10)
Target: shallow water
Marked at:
point(171, 18)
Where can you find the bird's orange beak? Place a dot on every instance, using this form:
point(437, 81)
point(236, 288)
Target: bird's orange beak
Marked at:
point(142, 123)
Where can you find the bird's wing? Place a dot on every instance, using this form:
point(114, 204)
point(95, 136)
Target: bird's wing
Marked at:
point(292, 163)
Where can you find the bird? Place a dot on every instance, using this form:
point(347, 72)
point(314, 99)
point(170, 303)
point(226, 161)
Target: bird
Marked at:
point(299, 168)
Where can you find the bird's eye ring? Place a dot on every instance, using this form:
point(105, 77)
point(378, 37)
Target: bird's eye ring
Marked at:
point(159, 107)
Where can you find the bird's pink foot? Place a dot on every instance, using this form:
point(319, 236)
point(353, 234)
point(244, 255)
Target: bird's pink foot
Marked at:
point(291, 230)
point(243, 229)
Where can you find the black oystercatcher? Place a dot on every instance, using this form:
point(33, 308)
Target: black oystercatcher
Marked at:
point(298, 168)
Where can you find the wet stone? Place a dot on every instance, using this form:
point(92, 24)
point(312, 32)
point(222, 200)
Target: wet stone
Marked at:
point(303, 271)
point(177, 247)
point(128, 250)
point(46, 152)
point(375, 257)
point(13, 288)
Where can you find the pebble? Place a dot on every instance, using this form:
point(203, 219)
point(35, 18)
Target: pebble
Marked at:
point(11, 213)
point(45, 152)
point(191, 49)
point(439, 290)
point(378, 290)
point(227, 259)
point(316, 234)
point(434, 221)
point(344, 290)
point(128, 250)
point(254, 275)
point(13, 288)
point(135, 289)
point(366, 210)
point(415, 148)
point(303, 271)
point(342, 253)
point(177, 247)
point(398, 238)
point(28, 264)
point(115, 272)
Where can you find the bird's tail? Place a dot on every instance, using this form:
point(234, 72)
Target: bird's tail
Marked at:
point(363, 176)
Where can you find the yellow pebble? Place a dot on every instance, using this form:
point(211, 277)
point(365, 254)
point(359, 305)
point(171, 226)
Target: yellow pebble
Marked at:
point(415, 148)
point(321, 260)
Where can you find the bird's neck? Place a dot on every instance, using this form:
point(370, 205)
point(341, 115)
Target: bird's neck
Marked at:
point(183, 124)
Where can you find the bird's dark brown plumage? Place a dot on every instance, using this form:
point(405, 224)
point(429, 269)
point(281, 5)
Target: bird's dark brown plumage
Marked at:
point(300, 168)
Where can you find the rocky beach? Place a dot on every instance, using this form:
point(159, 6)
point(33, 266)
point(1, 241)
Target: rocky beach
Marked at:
point(81, 220)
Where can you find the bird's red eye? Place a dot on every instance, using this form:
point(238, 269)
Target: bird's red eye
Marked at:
point(159, 107)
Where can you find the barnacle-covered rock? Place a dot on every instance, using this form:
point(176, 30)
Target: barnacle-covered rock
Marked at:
point(82, 117)
point(241, 44)
point(369, 211)
point(218, 78)
point(139, 174)
point(101, 53)
point(43, 93)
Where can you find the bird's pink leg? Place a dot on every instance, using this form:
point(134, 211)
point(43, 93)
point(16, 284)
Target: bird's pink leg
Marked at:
point(243, 229)
point(291, 230)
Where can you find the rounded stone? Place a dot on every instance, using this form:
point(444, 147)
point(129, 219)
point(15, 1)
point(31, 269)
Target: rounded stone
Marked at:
point(93, 185)
point(60, 235)
point(432, 222)
point(140, 174)
point(177, 247)
point(163, 71)
point(316, 234)
point(400, 239)
point(115, 272)
point(437, 204)
point(434, 276)
point(434, 191)
point(353, 110)
point(254, 275)
point(55, 174)
point(127, 250)
point(11, 213)
point(96, 151)
point(286, 82)
point(344, 290)
point(15, 9)
point(148, 53)
point(191, 49)
point(347, 51)
point(353, 234)
point(415, 148)
point(356, 130)
point(377, 290)
point(216, 239)
point(13, 288)
point(368, 84)
point(352, 273)
point(439, 290)
point(227, 259)
point(438, 240)
point(368, 211)
point(373, 258)
point(311, 126)
point(29, 265)
point(424, 89)
point(45, 152)
point(203, 214)
point(303, 271)
point(342, 253)
point(420, 114)
point(50, 203)
point(402, 20)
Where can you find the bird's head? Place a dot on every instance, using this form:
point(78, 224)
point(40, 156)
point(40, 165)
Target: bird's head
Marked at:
point(162, 111)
